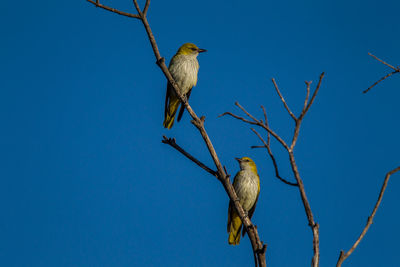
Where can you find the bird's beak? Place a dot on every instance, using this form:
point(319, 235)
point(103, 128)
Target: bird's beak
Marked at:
point(202, 50)
point(239, 159)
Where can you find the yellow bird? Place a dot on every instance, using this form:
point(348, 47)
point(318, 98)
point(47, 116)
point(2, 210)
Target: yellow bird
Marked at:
point(184, 68)
point(247, 188)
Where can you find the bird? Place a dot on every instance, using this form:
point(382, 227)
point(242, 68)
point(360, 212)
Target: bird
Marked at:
point(247, 187)
point(183, 68)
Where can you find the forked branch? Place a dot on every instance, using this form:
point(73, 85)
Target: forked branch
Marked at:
point(298, 120)
point(395, 70)
point(259, 248)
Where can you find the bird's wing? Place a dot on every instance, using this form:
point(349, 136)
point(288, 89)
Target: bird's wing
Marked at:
point(229, 216)
point(183, 106)
point(167, 96)
point(231, 208)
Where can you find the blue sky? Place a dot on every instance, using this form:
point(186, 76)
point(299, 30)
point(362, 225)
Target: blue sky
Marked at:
point(86, 181)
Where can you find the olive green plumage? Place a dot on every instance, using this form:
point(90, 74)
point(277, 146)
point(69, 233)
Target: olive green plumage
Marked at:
point(184, 68)
point(247, 188)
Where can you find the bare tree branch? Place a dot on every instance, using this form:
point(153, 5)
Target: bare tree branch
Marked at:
point(172, 142)
point(245, 111)
point(396, 70)
point(307, 104)
point(258, 247)
point(313, 96)
point(307, 96)
point(146, 7)
point(126, 14)
point(258, 123)
point(344, 255)
point(267, 146)
point(283, 100)
point(383, 62)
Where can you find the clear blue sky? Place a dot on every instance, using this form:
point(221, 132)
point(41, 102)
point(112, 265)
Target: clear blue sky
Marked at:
point(86, 181)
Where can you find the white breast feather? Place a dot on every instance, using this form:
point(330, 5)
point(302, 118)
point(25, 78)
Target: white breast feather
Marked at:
point(248, 190)
point(184, 70)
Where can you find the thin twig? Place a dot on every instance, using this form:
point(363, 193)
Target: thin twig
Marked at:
point(314, 94)
point(238, 117)
point(259, 123)
point(307, 96)
point(116, 11)
point(283, 100)
point(396, 70)
point(383, 62)
point(267, 146)
point(146, 7)
point(245, 111)
point(381, 79)
point(135, 3)
point(172, 142)
point(344, 255)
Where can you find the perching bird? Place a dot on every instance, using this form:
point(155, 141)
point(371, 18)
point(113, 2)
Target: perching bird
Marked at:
point(184, 68)
point(247, 187)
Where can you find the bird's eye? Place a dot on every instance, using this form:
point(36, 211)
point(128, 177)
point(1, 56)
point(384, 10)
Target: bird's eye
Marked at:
point(194, 49)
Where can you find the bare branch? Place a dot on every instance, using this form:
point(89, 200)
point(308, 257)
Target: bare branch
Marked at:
point(307, 95)
point(146, 7)
point(383, 62)
point(172, 142)
point(135, 3)
point(257, 122)
point(238, 117)
point(307, 104)
point(199, 123)
point(245, 111)
point(396, 70)
point(265, 118)
point(344, 255)
point(267, 146)
point(311, 222)
point(314, 95)
point(116, 11)
point(283, 100)
point(381, 79)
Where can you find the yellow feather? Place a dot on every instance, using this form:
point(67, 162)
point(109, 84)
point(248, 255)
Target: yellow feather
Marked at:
point(171, 111)
point(234, 229)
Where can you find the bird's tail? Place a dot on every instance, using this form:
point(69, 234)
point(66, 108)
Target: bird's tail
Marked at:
point(234, 229)
point(170, 111)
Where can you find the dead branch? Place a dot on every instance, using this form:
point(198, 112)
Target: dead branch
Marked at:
point(258, 247)
point(126, 14)
point(172, 142)
point(298, 120)
point(268, 147)
point(396, 70)
point(344, 255)
point(283, 100)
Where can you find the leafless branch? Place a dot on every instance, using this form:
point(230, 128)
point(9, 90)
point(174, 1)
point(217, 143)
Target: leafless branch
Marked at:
point(344, 255)
point(126, 14)
point(383, 62)
point(146, 7)
point(267, 146)
point(258, 247)
point(258, 123)
point(172, 142)
point(307, 104)
point(283, 100)
point(396, 70)
point(313, 96)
